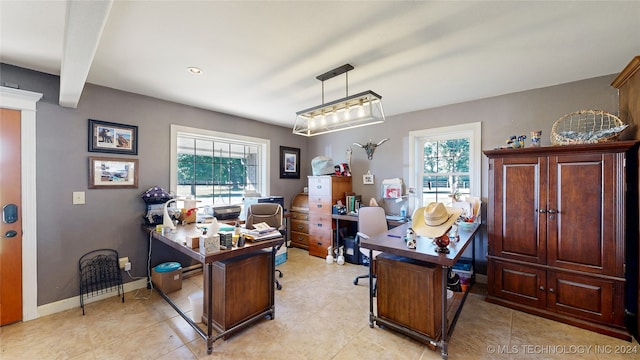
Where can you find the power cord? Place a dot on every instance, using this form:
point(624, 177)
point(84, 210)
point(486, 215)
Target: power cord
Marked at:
point(137, 295)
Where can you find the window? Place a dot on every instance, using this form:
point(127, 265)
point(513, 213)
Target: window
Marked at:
point(217, 168)
point(445, 161)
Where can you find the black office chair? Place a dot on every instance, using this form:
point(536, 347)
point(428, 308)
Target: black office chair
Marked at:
point(272, 215)
point(372, 221)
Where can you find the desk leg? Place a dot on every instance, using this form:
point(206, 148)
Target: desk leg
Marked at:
point(209, 286)
point(337, 244)
point(371, 288)
point(443, 342)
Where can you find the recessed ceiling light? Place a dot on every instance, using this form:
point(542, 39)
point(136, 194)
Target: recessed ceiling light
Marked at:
point(194, 70)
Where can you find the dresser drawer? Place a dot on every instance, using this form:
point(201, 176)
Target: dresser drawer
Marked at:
point(300, 240)
point(320, 204)
point(319, 223)
point(318, 244)
point(319, 186)
point(299, 216)
point(300, 226)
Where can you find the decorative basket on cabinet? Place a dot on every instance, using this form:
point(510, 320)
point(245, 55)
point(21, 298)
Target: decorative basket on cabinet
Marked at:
point(586, 127)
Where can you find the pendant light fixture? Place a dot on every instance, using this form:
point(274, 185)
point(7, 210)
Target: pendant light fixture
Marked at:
point(357, 110)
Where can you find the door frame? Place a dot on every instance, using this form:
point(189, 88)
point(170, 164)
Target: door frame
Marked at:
point(25, 101)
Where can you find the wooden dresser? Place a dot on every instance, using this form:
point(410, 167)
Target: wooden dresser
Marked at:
point(324, 192)
point(300, 221)
point(556, 223)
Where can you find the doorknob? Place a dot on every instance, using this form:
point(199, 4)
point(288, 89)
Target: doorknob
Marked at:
point(10, 234)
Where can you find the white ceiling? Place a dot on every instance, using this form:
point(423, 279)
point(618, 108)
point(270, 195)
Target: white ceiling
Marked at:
point(260, 59)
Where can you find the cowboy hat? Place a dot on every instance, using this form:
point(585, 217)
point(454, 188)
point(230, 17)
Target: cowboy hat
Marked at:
point(434, 219)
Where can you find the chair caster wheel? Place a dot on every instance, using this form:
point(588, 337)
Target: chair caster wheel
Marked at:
point(279, 287)
point(280, 275)
point(355, 282)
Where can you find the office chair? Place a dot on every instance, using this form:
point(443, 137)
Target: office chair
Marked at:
point(371, 221)
point(271, 214)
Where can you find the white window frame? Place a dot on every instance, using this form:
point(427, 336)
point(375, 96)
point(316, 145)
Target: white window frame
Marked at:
point(263, 144)
point(417, 138)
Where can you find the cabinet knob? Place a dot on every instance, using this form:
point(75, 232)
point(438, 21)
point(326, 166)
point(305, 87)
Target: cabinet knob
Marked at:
point(541, 288)
point(552, 211)
point(551, 290)
point(542, 211)
point(300, 226)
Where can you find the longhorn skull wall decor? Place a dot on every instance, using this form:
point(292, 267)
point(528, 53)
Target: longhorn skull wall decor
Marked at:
point(370, 147)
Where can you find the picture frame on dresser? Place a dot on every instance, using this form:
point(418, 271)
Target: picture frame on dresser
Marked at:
point(109, 137)
point(289, 163)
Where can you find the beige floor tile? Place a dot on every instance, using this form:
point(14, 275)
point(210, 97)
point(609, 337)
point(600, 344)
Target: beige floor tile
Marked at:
point(320, 315)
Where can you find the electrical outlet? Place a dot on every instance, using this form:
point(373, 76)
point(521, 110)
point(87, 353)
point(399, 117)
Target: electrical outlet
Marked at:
point(127, 266)
point(123, 261)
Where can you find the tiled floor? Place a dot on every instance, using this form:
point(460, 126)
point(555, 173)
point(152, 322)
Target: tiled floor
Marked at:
point(320, 314)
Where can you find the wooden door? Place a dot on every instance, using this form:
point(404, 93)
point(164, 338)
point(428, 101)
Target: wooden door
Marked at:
point(10, 193)
point(586, 204)
point(520, 190)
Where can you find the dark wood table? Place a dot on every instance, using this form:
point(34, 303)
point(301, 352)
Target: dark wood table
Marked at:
point(392, 242)
point(176, 240)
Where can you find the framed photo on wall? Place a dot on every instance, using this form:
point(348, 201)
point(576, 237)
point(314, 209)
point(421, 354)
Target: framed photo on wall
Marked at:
point(289, 163)
point(108, 137)
point(113, 173)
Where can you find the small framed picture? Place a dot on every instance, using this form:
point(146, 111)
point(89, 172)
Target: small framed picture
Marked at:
point(289, 163)
point(108, 137)
point(367, 179)
point(113, 173)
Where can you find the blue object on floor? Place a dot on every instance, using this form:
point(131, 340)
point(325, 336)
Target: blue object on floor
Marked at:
point(167, 267)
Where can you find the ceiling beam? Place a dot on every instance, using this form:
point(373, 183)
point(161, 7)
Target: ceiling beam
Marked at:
point(83, 29)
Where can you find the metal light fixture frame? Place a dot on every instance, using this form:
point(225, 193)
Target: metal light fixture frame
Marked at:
point(353, 111)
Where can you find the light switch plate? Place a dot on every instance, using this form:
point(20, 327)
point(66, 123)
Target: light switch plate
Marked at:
point(78, 197)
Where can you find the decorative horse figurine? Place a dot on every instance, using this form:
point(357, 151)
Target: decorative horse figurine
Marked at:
point(370, 147)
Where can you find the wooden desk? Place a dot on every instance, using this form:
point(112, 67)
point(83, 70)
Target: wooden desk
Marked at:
point(176, 239)
point(392, 242)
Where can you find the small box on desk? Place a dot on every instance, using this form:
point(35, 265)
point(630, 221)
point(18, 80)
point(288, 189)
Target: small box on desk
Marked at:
point(167, 277)
point(209, 244)
point(226, 239)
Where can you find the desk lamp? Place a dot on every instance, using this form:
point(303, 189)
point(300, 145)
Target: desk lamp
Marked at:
point(166, 219)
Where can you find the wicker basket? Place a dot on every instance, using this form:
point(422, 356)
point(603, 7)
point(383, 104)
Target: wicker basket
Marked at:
point(586, 127)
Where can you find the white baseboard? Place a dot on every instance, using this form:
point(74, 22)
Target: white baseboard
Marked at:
point(74, 302)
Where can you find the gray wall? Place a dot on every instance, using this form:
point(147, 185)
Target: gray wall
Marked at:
point(501, 117)
point(112, 218)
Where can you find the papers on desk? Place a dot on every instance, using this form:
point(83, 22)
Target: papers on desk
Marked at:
point(261, 231)
point(261, 228)
point(395, 217)
point(254, 236)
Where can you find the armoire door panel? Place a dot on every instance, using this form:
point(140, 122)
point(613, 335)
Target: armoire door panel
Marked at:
point(520, 220)
point(589, 298)
point(580, 235)
point(522, 284)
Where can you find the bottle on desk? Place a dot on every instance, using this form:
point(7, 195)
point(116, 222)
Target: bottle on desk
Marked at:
point(403, 212)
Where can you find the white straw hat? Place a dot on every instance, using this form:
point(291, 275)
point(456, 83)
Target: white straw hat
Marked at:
point(434, 219)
